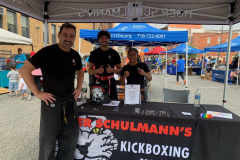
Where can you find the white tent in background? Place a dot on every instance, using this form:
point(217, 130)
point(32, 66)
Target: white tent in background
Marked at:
point(217, 12)
point(9, 38)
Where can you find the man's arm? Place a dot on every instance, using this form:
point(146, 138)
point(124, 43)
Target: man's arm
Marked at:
point(80, 77)
point(25, 71)
point(92, 71)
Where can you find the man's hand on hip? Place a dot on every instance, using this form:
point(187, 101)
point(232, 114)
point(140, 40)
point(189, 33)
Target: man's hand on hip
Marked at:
point(46, 97)
point(76, 93)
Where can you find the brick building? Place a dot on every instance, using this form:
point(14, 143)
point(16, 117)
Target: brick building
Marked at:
point(202, 40)
point(34, 29)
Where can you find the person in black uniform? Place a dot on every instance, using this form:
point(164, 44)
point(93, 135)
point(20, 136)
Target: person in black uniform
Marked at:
point(105, 59)
point(135, 72)
point(58, 120)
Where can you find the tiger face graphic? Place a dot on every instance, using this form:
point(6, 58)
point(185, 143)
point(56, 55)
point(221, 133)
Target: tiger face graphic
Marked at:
point(97, 94)
point(95, 143)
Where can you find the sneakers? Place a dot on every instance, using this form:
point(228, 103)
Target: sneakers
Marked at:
point(22, 99)
point(230, 82)
point(177, 83)
point(9, 95)
point(184, 81)
point(155, 73)
point(16, 95)
point(29, 97)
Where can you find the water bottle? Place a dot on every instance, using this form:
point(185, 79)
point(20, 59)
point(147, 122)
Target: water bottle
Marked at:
point(84, 92)
point(197, 98)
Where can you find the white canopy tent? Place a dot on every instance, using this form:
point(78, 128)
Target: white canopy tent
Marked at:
point(9, 38)
point(218, 12)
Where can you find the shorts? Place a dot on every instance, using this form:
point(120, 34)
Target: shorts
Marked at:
point(13, 85)
point(158, 66)
point(22, 91)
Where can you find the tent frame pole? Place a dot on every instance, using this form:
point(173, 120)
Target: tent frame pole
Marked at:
point(46, 22)
point(227, 64)
point(238, 67)
point(166, 68)
point(186, 66)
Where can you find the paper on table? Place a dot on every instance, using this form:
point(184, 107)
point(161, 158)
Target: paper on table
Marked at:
point(79, 103)
point(132, 94)
point(220, 114)
point(186, 113)
point(112, 103)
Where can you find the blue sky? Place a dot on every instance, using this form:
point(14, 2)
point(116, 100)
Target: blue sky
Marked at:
point(213, 27)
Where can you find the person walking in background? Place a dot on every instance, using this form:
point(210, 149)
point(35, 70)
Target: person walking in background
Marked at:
point(37, 73)
point(203, 65)
point(22, 87)
point(124, 57)
point(180, 69)
point(158, 64)
point(13, 80)
point(20, 59)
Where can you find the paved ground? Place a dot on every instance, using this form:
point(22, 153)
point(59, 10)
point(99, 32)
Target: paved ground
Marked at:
point(20, 119)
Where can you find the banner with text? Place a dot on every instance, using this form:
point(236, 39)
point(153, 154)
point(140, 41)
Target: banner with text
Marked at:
point(118, 138)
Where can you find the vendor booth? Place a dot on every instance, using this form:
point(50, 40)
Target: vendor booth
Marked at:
point(9, 38)
point(156, 130)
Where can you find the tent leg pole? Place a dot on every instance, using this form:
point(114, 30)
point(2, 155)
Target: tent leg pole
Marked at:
point(166, 70)
point(79, 47)
point(238, 67)
point(227, 64)
point(45, 33)
point(176, 64)
point(186, 65)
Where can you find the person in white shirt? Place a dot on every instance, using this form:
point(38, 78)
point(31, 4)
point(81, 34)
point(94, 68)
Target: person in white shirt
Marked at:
point(23, 87)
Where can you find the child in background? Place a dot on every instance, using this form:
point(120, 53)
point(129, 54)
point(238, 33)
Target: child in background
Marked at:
point(13, 80)
point(23, 87)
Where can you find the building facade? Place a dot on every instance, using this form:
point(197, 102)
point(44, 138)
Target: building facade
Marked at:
point(34, 29)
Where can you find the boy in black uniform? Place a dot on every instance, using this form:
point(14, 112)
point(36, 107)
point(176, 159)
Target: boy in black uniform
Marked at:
point(135, 71)
point(105, 59)
point(58, 121)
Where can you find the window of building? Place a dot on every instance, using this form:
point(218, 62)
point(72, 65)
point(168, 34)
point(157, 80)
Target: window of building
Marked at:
point(59, 29)
point(25, 26)
point(11, 21)
point(219, 41)
point(226, 40)
point(208, 41)
point(47, 33)
point(53, 33)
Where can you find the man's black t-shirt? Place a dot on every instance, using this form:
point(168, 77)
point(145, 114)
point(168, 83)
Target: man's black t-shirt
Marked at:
point(58, 69)
point(100, 57)
point(135, 77)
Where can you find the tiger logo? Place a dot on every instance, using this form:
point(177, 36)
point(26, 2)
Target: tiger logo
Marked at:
point(95, 143)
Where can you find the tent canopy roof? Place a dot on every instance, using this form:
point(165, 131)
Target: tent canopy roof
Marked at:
point(157, 50)
point(181, 49)
point(141, 11)
point(135, 34)
point(146, 50)
point(9, 38)
point(235, 46)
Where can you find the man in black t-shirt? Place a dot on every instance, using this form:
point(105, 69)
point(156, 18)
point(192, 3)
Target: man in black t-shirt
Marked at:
point(135, 72)
point(58, 121)
point(105, 59)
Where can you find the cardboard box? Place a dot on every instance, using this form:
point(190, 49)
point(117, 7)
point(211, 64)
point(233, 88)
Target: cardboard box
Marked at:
point(153, 71)
point(210, 78)
point(202, 76)
point(164, 67)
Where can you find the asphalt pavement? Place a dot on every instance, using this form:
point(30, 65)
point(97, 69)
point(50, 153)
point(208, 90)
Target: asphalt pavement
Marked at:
point(20, 119)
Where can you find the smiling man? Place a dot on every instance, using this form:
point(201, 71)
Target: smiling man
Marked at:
point(105, 59)
point(58, 120)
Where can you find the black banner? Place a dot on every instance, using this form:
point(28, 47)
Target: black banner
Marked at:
point(121, 138)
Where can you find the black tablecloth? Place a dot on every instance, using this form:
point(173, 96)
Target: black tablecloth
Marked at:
point(213, 139)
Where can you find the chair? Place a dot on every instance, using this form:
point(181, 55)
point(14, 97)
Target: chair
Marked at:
point(181, 96)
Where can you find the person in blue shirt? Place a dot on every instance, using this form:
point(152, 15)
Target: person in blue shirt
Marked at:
point(180, 69)
point(87, 63)
point(158, 64)
point(20, 59)
point(203, 65)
